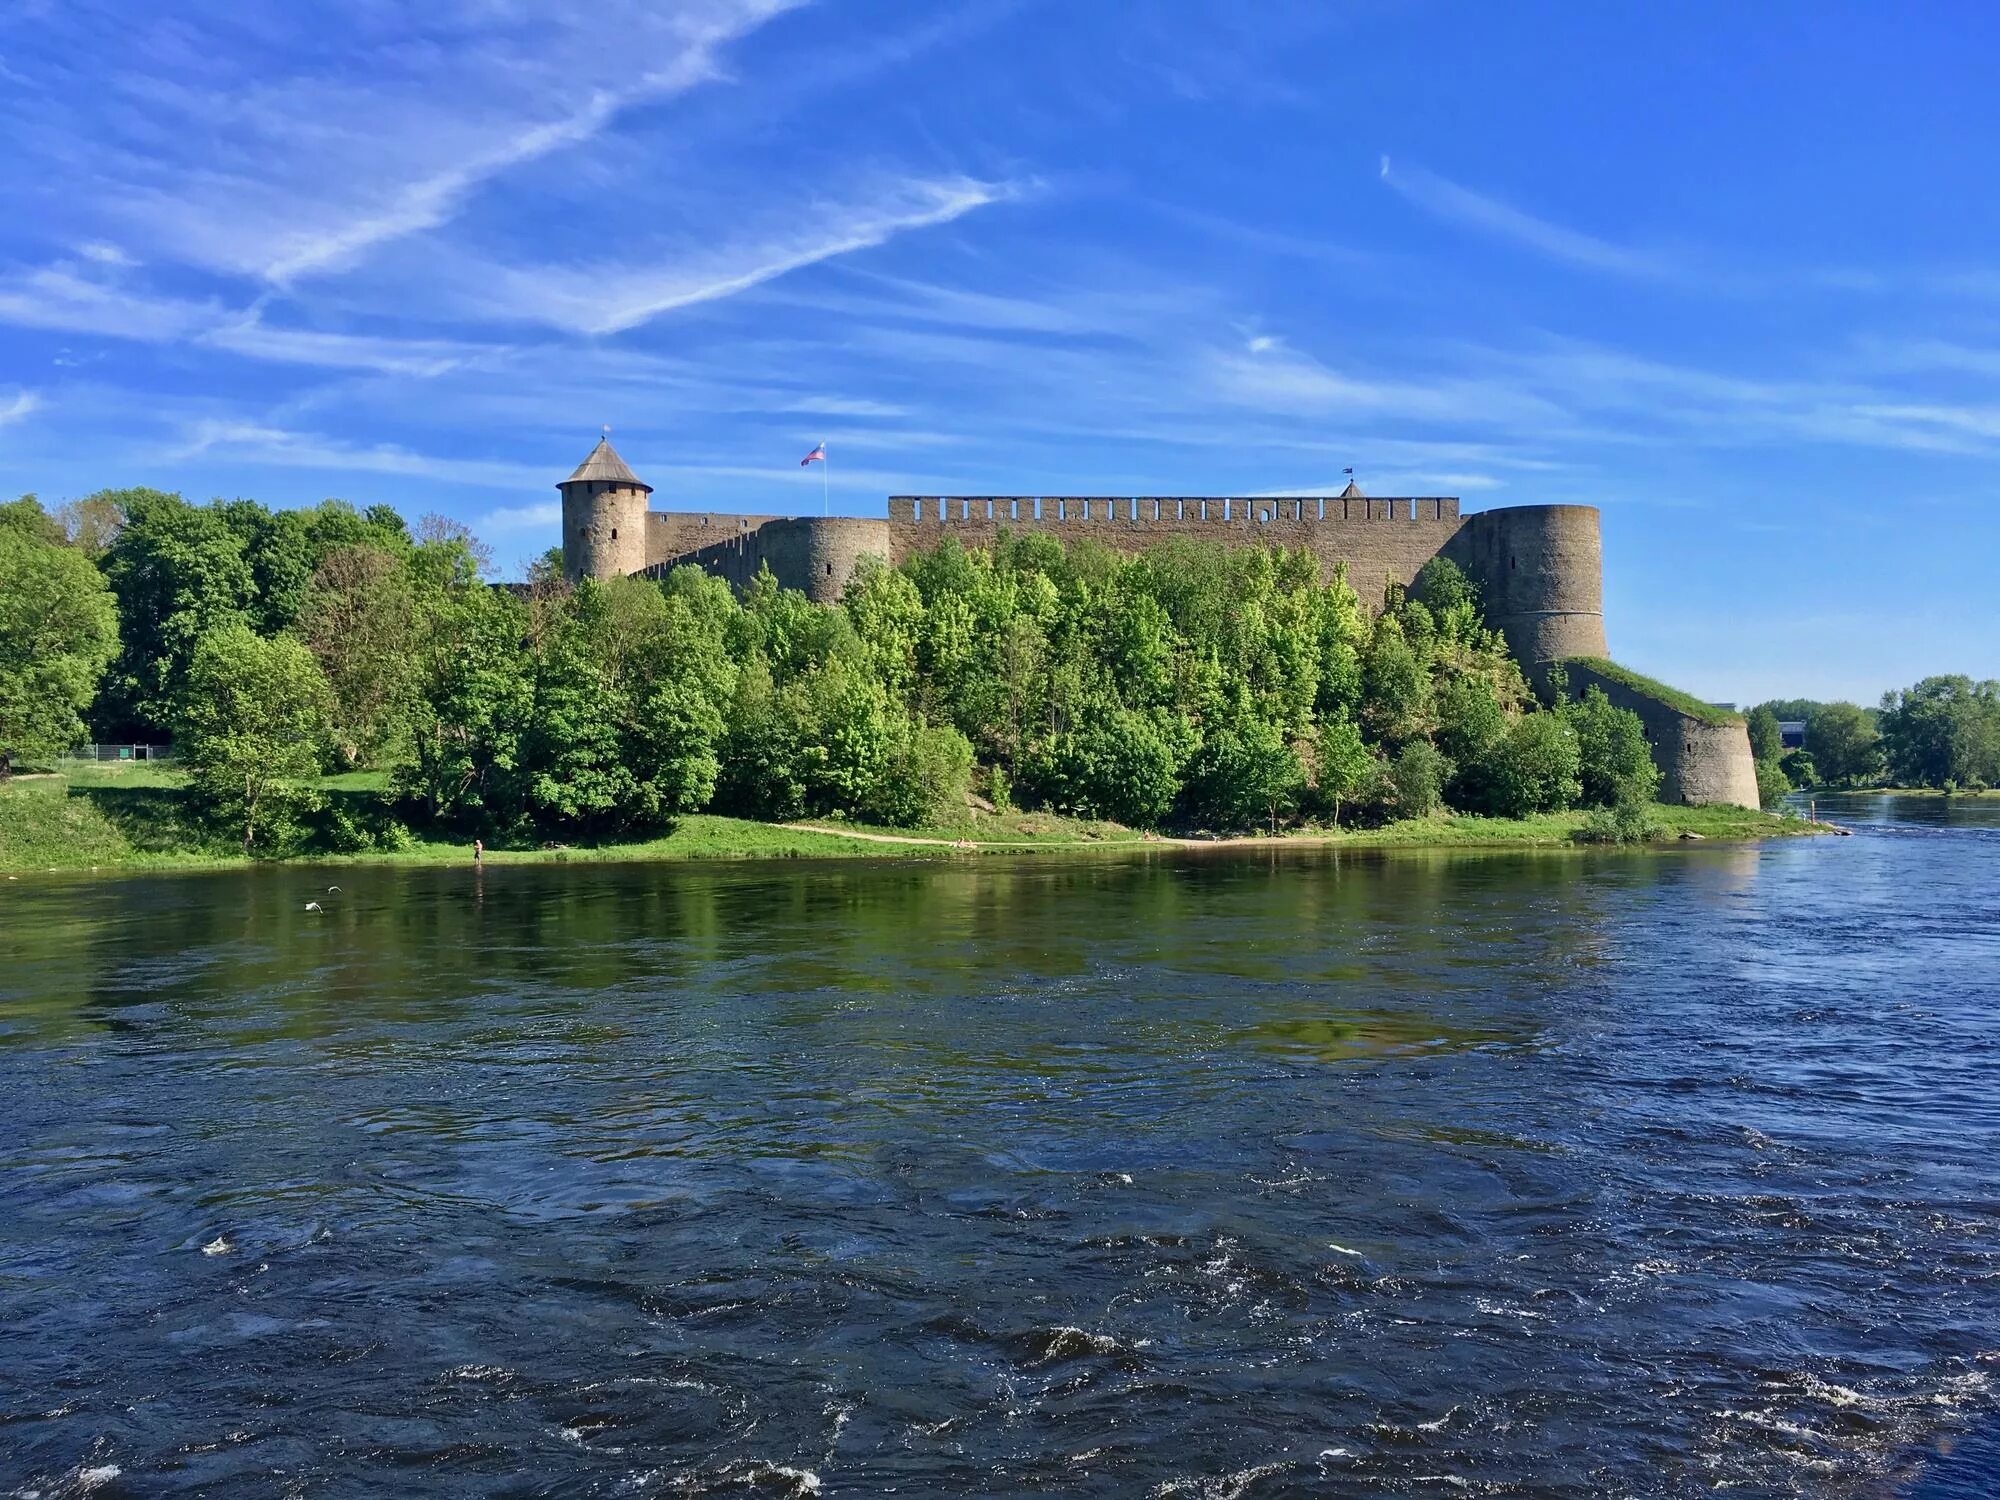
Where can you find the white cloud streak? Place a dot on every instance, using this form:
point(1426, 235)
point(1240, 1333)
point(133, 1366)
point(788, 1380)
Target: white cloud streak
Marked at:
point(23, 405)
point(253, 443)
point(60, 299)
point(1447, 200)
point(611, 298)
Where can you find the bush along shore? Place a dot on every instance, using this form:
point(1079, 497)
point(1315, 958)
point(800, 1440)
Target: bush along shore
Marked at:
point(147, 818)
point(337, 686)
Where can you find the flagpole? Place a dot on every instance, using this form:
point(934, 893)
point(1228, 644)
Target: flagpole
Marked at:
point(825, 499)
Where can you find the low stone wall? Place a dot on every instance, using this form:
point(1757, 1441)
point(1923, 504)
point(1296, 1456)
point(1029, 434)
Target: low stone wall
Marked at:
point(1701, 764)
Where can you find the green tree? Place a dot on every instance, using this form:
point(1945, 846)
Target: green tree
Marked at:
point(1343, 764)
point(179, 574)
point(929, 771)
point(1773, 785)
point(360, 617)
point(1766, 743)
point(1442, 586)
point(1245, 772)
point(1116, 764)
point(575, 773)
point(58, 632)
point(1470, 720)
point(252, 720)
point(763, 758)
point(1944, 731)
point(1843, 744)
point(25, 517)
point(1538, 767)
point(1394, 684)
point(1417, 776)
point(1615, 762)
point(471, 696)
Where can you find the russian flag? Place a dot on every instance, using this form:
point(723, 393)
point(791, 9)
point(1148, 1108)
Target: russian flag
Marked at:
point(818, 454)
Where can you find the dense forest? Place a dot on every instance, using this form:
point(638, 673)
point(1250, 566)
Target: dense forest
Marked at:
point(1942, 733)
point(1192, 687)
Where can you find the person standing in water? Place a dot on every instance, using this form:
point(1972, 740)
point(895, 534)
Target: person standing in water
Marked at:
point(479, 851)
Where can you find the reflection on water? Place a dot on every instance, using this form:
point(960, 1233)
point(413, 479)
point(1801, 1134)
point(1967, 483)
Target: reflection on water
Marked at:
point(1184, 1174)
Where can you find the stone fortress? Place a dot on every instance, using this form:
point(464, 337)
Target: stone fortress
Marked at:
point(1540, 567)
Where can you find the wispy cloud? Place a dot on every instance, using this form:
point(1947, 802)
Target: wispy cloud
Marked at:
point(424, 358)
point(610, 298)
point(432, 199)
point(253, 443)
point(1447, 200)
point(1267, 374)
point(23, 404)
point(64, 298)
point(521, 517)
point(236, 146)
point(58, 298)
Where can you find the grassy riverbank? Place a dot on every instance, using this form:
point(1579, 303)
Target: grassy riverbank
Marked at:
point(138, 817)
point(1983, 793)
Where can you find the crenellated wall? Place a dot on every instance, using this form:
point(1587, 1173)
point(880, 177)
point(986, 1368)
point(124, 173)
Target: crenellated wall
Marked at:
point(1382, 540)
point(1539, 564)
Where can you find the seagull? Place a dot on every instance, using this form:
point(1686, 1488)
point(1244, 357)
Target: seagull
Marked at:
point(314, 906)
point(331, 889)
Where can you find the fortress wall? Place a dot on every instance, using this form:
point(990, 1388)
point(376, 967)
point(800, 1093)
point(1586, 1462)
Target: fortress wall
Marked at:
point(817, 554)
point(675, 536)
point(1381, 540)
point(606, 529)
point(814, 554)
point(1700, 763)
point(1542, 570)
point(1540, 565)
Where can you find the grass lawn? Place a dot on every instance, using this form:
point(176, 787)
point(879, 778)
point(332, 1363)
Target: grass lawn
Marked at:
point(136, 816)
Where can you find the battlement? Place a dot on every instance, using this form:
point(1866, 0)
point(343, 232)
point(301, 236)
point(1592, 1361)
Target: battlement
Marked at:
point(1177, 511)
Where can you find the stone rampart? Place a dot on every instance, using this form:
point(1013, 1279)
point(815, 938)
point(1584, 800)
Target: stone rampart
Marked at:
point(1539, 565)
point(1381, 540)
point(1541, 568)
point(814, 554)
point(1702, 761)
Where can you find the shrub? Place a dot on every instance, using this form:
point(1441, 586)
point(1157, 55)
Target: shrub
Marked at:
point(1537, 768)
point(1627, 822)
point(1773, 785)
point(1614, 760)
point(1417, 776)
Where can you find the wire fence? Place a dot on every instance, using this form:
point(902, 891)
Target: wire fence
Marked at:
point(100, 752)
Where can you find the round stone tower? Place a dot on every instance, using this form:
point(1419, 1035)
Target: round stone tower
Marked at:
point(603, 517)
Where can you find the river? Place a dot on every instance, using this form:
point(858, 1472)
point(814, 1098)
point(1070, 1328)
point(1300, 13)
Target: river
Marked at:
point(1176, 1173)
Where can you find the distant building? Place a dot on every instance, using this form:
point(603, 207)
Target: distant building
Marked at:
point(1793, 733)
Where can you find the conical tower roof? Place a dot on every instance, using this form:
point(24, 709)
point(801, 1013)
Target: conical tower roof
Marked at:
point(1352, 492)
point(606, 467)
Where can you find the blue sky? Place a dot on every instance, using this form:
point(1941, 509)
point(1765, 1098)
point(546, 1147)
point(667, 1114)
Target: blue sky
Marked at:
point(1728, 272)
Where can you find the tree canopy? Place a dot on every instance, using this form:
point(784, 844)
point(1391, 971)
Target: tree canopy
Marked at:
point(58, 632)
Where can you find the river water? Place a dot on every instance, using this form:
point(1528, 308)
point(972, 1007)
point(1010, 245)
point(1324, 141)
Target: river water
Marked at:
point(1173, 1174)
